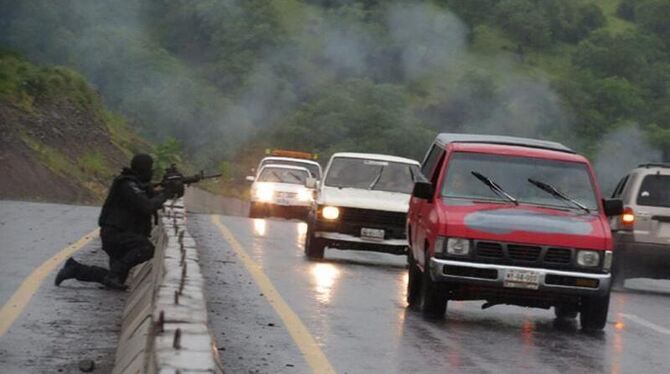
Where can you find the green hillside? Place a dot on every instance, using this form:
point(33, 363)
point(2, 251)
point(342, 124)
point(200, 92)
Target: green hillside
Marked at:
point(58, 141)
point(230, 78)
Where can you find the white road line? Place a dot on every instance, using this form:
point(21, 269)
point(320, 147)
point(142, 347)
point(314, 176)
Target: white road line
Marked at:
point(644, 322)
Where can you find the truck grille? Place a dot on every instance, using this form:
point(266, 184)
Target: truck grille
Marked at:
point(523, 252)
point(352, 220)
point(490, 250)
point(396, 219)
point(558, 255)
point(534, 256)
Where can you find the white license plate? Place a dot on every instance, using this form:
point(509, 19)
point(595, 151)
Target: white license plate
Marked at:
point(280, 201)
point(522, 279)
point(372, 234)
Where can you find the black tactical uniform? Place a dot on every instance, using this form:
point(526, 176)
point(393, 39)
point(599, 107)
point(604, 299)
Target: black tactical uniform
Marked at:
point(125, 226)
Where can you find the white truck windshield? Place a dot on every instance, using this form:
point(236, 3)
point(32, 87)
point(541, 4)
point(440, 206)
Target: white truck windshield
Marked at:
point(283, 175)
point(368, 174)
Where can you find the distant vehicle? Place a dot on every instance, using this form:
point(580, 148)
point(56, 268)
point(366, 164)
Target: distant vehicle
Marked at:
point(510, 221)
point(642, 233)
point(361, 204)
point(282, 191)
point(294, 158)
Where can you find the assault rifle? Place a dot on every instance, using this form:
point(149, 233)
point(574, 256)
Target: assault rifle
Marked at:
point(173, 175)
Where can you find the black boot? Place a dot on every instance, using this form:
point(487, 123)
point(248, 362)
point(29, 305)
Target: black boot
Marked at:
point(68, 271)
point(112, 281)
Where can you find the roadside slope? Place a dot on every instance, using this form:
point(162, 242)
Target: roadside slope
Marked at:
point(57, 140)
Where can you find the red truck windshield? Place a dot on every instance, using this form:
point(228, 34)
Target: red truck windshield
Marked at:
point(512, 174)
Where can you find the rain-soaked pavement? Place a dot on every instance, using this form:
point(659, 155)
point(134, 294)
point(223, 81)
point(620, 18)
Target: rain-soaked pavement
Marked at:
point(353, 304)
point(60, 326)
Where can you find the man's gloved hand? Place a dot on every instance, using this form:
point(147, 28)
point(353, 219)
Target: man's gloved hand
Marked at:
point(173, 188)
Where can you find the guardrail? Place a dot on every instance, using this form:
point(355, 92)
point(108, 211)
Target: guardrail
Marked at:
point(164, 325)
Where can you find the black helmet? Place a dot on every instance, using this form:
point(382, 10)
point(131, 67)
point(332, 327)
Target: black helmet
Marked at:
point(143, 165)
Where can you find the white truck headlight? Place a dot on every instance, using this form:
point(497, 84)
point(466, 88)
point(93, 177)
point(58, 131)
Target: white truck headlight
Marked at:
point(588, 258)
point(330, 212)
point(305, 195)
point(264, 193)
point(458, 247)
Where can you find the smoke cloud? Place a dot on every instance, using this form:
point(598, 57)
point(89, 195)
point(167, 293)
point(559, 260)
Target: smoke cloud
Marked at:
point(420, 47)
point(619, 152)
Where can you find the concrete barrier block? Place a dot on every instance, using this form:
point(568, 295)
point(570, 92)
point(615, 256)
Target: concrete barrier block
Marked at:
point(167, 295)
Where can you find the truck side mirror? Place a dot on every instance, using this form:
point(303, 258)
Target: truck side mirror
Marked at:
point(423, 190)
point(250, 178)
point(613, 207)
point(310, 182)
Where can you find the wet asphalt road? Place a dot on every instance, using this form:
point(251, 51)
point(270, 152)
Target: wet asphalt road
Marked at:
point(353, 304)
point(61, 325)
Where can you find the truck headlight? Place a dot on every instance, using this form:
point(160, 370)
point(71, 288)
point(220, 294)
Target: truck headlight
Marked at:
point(305, 195)
point(588, 258)
point(264, 193)
point(458, 247)
point(330, 212)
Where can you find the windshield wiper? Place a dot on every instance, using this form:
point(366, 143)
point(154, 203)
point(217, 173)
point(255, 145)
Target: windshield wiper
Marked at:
point(495, 187)
point(377, 178)
point(558, 194)
point(296, 177)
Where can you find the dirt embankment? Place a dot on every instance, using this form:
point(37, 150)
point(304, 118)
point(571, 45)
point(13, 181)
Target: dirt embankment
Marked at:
point(43, 154)
point(57, 141)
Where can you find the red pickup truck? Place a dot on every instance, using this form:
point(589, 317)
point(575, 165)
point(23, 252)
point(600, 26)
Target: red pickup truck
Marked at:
point(510, 221)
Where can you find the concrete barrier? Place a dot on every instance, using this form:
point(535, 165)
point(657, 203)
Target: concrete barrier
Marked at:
point(164, 326)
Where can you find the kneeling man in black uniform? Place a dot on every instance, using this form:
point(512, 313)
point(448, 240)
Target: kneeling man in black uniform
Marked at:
point(125, 225)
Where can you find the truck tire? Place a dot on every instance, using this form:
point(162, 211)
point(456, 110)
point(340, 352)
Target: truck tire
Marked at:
point(566, 311)
point(413, 281)
point(433, 294)
point(314, 247)
point(593, 312)
point(618, 275)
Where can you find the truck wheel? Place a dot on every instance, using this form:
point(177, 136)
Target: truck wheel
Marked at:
point(314, 247)
point(593, 312)
point(565, 311)
point(433, 295)
point(413, 281)
point(618, 276)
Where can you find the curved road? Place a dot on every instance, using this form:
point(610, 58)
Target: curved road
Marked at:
point(58, 326)
point(352, 304)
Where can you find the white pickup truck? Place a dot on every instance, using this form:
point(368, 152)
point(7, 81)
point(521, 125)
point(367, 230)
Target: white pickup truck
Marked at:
point(361, 204)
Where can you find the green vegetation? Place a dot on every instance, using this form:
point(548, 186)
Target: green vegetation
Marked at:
point(55, 119)
point(54, 159)
point(223, 80)
point(94, 163)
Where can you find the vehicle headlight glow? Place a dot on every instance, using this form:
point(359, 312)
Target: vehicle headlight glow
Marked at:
point(330, 212)
point(305, 195)
point(588, 258)
point(458, 247)
point(264, 192)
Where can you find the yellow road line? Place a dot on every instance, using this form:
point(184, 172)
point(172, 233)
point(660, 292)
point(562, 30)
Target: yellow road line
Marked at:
point(304, 340)
point(20, 299)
